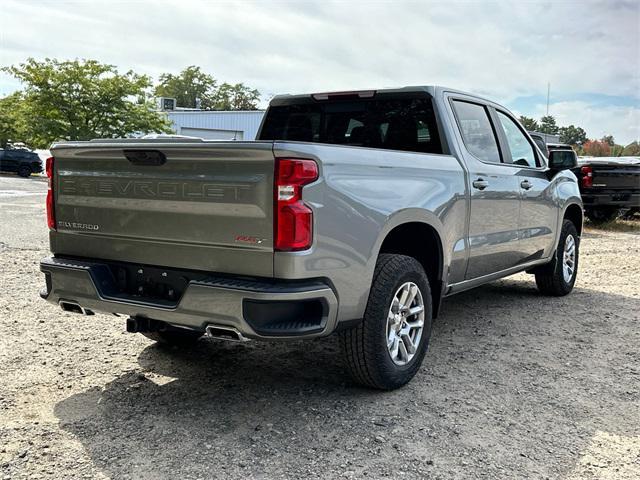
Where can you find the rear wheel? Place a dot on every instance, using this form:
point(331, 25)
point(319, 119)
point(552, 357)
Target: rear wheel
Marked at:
point(174, 336)
point(601, 214)
point(558, 277)
point(24, 171)
point(386, 349)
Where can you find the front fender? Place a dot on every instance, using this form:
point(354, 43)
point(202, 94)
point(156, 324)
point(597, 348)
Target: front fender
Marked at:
point(568, 194)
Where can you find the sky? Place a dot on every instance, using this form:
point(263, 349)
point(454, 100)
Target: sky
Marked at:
point(589, 52)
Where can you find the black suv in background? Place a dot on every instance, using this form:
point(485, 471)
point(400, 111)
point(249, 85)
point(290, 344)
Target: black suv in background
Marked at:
point(20, 160)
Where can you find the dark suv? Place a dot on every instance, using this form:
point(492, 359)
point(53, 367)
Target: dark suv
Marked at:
point(20, 160)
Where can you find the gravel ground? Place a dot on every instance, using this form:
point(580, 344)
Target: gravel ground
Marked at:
point(515, 385)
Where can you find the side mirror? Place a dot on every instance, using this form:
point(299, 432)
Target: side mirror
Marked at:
point(562, 159)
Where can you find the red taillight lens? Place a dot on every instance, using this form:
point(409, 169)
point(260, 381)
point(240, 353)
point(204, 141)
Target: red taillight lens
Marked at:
point(51, 218)
point(293, 220)
point(587, 176)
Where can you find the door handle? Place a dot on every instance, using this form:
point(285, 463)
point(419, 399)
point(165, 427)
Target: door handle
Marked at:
point(480, 184)
point(525, 184)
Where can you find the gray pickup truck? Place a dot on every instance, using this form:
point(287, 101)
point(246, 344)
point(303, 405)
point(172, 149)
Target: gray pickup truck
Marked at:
point(353, 212)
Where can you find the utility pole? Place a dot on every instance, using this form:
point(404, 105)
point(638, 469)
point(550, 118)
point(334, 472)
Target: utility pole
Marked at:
point(548, 94)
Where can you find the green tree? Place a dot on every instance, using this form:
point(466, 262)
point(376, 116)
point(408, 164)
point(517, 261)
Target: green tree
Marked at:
point(632, 150)
point(12, 126)
point(236, 97)
point(81, 100)
point(548, 125)
point(188, 87)
point(192, 88)
point(572, 135)
point(529, 123)
point(609, 140)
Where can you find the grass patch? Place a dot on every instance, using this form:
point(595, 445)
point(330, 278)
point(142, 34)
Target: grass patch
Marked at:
point(617, 225)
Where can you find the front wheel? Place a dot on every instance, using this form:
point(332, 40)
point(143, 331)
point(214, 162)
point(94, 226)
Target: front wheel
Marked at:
point(386, 349)
point(558, 277)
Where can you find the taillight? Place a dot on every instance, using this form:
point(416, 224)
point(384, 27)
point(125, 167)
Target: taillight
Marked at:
point(51, 217)
point(587, 176)
point(293, 220)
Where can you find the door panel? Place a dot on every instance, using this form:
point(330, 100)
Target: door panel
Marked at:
point(494, 194)
point(493, 223)
point(538, 212)
point(9, 161)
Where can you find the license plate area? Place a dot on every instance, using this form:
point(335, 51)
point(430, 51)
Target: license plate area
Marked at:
point(621, 197)
point(143, 283)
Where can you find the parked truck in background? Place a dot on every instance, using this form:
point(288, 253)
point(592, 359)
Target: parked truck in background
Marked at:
point(354, 212)
point(608, 185)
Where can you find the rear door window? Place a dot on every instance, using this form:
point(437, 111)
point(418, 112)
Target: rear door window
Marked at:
point(395, 124)
point(522, 152)
point(477, 131)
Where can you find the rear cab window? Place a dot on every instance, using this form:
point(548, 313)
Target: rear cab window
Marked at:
point(405, 123)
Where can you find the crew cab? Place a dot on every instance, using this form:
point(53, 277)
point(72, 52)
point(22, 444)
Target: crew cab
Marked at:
point(353, 213)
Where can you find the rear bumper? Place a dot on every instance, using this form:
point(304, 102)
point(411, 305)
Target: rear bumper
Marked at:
point(621, 199)
point(257, 308)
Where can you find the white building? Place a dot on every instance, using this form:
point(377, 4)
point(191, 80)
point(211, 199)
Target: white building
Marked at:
point(216, 125)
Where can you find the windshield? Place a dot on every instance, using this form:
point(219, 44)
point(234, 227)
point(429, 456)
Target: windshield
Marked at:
point(394, 124)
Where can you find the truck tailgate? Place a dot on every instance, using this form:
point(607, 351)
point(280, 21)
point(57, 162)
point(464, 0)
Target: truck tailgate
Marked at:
point(616, 176)
point(208, 206)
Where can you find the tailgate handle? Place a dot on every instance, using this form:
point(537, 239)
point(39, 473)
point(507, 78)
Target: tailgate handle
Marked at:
point(145, 157)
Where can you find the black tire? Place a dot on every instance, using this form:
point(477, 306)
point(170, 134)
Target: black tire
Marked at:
point(601, 214)
point(24, 171)
point(364, 346)
point(550, 278)
point(174, 336)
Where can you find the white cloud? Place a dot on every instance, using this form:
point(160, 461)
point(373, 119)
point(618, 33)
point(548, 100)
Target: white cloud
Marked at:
point(503, 50)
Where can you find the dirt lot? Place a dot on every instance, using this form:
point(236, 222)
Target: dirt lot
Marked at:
point(515, 385)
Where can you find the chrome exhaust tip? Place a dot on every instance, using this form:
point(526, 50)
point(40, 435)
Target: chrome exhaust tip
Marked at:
point(74, 307)
point(225, 333)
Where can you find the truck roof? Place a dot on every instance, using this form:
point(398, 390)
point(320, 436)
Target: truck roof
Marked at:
point(433, 90)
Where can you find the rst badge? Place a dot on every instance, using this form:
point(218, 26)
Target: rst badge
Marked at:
point(249, 239)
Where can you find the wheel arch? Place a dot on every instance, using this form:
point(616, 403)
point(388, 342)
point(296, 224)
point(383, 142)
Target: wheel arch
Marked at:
point(574, 213)
point(422, 241)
